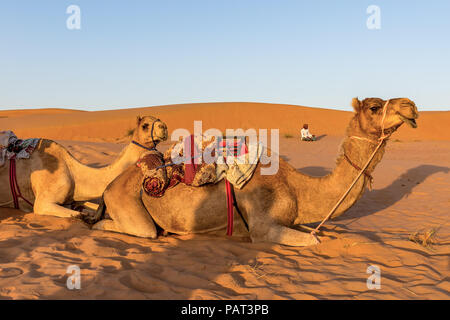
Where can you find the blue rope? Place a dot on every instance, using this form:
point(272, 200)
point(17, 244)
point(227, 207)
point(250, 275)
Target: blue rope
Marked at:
point(144, 147)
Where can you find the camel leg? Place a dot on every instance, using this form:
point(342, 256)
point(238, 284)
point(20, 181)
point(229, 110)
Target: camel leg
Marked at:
point(106, 225)
point(43, 207)
point(128, 217)
point(51, 190)
point(126, 209)
point(264, 228)
point(283, 235)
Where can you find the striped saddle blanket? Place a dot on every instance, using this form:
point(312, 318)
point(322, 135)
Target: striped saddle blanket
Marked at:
point(13, 148)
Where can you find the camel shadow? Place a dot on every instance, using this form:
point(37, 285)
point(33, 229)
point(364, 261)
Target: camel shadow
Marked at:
point(10, 213)
point(401, 188)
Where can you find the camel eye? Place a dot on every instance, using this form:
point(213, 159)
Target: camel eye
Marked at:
point(145, 127)
point(374, 109)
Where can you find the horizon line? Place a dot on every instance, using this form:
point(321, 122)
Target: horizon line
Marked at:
point(184, 104)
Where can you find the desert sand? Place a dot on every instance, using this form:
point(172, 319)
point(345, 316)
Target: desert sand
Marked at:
point(410, 195)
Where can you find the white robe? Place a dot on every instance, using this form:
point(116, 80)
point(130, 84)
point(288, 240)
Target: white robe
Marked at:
point(305, 133)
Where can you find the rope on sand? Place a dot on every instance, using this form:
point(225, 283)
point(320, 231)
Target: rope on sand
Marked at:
point(6, 203)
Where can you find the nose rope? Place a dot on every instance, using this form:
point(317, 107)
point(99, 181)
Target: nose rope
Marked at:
point(382, 138)
point(151, 132)
point(143, 147)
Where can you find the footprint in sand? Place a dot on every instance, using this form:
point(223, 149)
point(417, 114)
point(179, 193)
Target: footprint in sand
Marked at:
point(10, 272)
point(35, 226)
point(146, 285)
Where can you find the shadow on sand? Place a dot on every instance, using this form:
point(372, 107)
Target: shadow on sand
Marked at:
point(397, 190)
point(318, 138)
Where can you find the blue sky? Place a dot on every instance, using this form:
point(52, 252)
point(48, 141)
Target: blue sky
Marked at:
point(144, 53)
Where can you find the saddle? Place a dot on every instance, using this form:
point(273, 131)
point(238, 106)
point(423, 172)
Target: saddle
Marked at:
point(228, 158)
point(12, 148)
point(163, 171)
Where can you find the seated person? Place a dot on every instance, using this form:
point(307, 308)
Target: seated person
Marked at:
point(306, 136)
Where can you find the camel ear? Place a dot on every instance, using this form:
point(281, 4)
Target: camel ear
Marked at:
point(138, 120)
point(356, 104)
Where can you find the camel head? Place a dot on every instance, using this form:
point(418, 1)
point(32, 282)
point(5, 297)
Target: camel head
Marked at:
point(371, 118)
point(150, 131)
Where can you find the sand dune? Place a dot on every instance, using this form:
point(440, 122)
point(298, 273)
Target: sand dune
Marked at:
point(27, 112)
point(410, 195)
point(113, 125)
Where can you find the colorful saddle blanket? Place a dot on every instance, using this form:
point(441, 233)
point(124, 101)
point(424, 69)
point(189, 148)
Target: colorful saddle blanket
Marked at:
point(12, 147)
point(207, 161)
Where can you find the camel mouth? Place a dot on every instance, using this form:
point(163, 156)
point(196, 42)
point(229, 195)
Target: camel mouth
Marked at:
point(159, 139)
point(409, 121)
point(162, 137)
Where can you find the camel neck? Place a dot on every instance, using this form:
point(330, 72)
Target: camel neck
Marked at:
point(317, 195)
point(92, 182)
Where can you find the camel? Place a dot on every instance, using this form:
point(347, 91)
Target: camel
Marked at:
point(52, 177)
point(271, 204)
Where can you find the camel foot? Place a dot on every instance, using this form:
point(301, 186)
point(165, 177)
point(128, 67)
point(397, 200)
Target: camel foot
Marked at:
point(53, 209)
point(287, 236)
point(106, 225)
point(111, 225)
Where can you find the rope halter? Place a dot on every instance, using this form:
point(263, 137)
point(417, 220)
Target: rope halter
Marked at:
point(375, 142)
point(382, 138)
point(151, 136)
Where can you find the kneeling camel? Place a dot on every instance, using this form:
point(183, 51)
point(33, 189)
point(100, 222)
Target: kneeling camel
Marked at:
point(271, 204)
point(52, 177)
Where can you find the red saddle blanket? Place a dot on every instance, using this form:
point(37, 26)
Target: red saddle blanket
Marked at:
point(160, 171)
